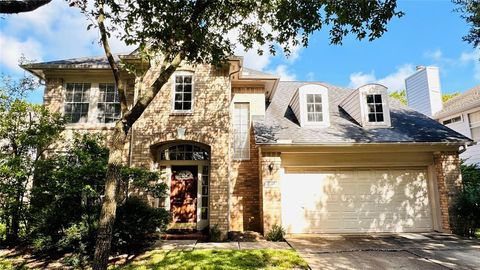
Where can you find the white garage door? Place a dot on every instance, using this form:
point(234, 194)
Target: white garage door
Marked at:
point(357, 200)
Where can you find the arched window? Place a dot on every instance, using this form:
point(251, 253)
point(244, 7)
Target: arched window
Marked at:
point(186, 151)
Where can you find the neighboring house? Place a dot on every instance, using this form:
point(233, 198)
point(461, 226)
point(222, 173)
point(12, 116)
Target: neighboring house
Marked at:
point(461, 113)
point(244, 151)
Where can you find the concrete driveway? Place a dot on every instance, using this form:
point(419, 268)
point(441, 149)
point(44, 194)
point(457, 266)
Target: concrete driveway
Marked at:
point(400, 251)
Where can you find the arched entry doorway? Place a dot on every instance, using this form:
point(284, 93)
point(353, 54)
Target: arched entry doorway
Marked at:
point(186, 168)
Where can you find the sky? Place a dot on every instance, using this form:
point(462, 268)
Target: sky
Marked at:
point(430, 33)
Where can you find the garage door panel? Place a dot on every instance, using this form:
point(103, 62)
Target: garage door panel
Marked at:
point(365, 200)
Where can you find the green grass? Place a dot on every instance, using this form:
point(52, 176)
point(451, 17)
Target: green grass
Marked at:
point(217, 259)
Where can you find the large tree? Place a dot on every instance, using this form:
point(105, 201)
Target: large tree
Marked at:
point(168, 33)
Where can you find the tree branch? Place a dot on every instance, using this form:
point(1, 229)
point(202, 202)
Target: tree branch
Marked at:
point(111, 60)
point(18, 6)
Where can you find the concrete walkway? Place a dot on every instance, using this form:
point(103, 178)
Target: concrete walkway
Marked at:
point(398, 251)
point(189, 245)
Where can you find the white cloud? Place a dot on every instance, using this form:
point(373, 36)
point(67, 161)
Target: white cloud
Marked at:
point(435, 55)
point(54, 31)
point(472, 57)
point(394, 81)
point(283, 72)
point(13, 49)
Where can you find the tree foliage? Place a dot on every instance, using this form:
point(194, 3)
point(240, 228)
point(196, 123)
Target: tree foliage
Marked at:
point(467, 204)
point(470, 11)
point(446, 97)
point(400, 96)
point(26, 132)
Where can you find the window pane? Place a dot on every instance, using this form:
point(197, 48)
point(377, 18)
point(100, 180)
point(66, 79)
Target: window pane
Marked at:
point(318, 117)
point(310, 108)
point(318, 107)
point(318, 98)
point(369, 98)
point(371, 117)
point(187, 88)
point(178, 106)
point(241, 123)
point(187, 79)
point(378, 98)
point(204, 213)
point(379, 117)
point(371, 108)
point(179, 79)
point(187, 106)
point(310, 117)
point(187, 97)
point(310, 98)
point(379, 108)
point(476, 134)
point(204, 201)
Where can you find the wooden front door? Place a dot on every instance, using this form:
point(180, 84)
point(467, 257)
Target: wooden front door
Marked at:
point(183, 196)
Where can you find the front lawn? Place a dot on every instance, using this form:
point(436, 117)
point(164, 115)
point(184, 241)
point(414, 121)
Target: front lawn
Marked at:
point(217, 259)
point(197, 259)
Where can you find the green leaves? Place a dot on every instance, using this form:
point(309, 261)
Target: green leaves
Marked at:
point(206, 31)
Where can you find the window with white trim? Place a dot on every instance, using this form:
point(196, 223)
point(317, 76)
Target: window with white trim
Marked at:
point(183, 93)
point(314, 108)
point(375, 108)
point(205, 193)
point(474, 119)
point(77, 98)
point(241, 125)
point(108, 103)
point(453, 120)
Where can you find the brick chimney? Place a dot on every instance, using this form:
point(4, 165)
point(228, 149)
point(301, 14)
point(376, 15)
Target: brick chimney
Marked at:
point(424, 93)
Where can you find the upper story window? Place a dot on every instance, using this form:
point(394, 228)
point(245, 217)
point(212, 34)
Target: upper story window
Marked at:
point(241, 125)
point(310, 105)
point(183, 93)
point(314, 108)
point(453, 120)
point(474, 119)
point(77, 99)
point(375, 108)
point(108, 103)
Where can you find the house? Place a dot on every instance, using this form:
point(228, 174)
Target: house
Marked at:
point(242, 150)
point(461, 113)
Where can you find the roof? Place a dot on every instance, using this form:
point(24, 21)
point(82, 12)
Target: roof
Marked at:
point(408, 126)
point(93, 62)
point(464, 102)
point(248, 72)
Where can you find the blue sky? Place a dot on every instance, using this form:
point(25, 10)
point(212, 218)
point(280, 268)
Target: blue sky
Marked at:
point(429, 34)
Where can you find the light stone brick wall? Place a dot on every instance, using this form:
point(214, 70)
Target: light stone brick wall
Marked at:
point(271, 197)
point(449, 180)
point(209, 123)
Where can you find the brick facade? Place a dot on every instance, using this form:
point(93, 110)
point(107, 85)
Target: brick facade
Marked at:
point(271, 197)
point(245, 198)
point(449, 179)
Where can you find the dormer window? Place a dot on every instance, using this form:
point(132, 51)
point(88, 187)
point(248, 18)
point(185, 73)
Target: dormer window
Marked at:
point(314, 108)
point(310, 105)
point(183, 92)
point(375, 108)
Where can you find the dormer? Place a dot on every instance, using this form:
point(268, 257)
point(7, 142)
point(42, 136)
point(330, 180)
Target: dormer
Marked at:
point(369, 106)
point(310, 105)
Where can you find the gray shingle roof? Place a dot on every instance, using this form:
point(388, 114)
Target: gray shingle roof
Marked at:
point(407, 125)
point(464, 102)
point(94, 62)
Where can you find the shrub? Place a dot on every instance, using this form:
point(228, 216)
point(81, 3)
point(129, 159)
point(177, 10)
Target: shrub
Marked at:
point(3, 232)
point(466, 207)
point(215, 235)
point(276, 234)
point(135, 221)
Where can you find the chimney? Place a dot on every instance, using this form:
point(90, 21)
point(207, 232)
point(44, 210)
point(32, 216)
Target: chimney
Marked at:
point(423, 90)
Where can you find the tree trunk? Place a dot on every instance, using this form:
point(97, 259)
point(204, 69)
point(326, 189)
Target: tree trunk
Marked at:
point(109, 206)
